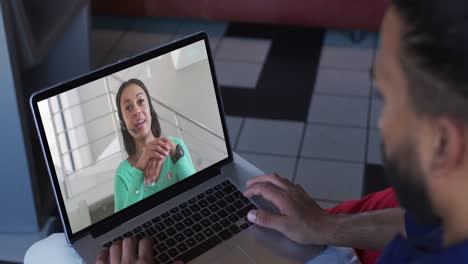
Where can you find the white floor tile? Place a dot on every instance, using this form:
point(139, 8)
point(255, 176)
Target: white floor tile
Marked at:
point(334, 38)
point(330, 180)
point(376, 109)
point(347, 58)
point(270, 136)
point(283, 166)
point(214, 44)
point(243, 49)
point(342, 82)
point(338, 110)
point(335, 143)
point(374, 155)
point(238, 74)
point(234, 125)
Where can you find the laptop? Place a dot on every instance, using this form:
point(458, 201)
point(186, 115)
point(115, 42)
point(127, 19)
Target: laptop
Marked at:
point(192, 205)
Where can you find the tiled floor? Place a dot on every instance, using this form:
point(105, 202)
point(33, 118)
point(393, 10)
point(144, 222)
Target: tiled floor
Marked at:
point(308, 110)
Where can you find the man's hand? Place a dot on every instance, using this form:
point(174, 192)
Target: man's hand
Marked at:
point(128, 251)
point(301, 219)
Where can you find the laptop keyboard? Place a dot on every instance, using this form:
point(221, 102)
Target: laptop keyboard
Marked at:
point(197, 225)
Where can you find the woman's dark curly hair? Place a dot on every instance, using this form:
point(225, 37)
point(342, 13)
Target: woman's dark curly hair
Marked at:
point(129, 142)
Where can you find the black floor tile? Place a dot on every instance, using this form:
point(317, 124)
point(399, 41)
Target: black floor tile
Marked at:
point(374, 179)
point(286, 83)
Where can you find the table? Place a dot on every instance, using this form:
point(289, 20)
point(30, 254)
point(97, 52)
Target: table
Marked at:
point(55, 249)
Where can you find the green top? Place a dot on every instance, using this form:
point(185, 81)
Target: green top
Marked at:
point(129, 181)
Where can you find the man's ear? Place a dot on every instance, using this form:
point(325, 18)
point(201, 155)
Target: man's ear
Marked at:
point(449, 145)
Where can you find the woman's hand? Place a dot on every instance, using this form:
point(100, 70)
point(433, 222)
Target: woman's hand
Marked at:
point(153, 171)
point(158, 149)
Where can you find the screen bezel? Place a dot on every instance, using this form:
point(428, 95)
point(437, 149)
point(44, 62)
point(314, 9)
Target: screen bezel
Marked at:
point(148, 203)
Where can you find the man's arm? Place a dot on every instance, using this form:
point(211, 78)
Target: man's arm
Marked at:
point(302, 220)
point(369, 230)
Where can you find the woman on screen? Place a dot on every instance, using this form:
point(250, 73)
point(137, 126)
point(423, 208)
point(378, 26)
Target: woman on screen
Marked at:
point(154, 162)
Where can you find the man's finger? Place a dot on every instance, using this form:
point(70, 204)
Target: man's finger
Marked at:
point(103, 256)
point(270, 192)
point(115, 252)
point(274, 179)
point(129, 249)
point(267, 219)
point(145, 250)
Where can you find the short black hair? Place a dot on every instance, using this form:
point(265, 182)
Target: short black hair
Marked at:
point(434, 55)
point(128, 140)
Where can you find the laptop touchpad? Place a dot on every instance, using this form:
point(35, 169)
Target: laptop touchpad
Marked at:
point(234, 255)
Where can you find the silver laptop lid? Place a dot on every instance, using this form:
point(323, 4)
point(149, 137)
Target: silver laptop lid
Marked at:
point(89, 128)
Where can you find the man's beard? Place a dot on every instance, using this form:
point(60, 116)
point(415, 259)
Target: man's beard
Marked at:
point(403, 172)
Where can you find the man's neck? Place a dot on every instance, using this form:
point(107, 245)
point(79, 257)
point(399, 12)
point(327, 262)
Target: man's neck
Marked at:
point(455, 227)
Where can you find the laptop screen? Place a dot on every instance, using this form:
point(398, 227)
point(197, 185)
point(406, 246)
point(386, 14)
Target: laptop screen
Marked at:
point(122, 138)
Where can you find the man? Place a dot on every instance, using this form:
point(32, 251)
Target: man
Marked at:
point(422, 74)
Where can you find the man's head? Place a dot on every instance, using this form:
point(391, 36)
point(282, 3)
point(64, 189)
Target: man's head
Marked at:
point(422, 73)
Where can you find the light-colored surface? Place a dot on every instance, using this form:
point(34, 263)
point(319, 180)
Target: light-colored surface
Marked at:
point(334, 143)
point(376, 109)
point(343, 82)
point(338, 110)
point(53, 250)
point(283, 166)
point(374, 154)
point(238, 73)
point(270, 136)
point(241, 49)
point(336, 181)
point(336, 255)
point(342, 39)
point(347, 58)
point(234, 126)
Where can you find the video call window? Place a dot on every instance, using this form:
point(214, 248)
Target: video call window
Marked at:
point(127, 136)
